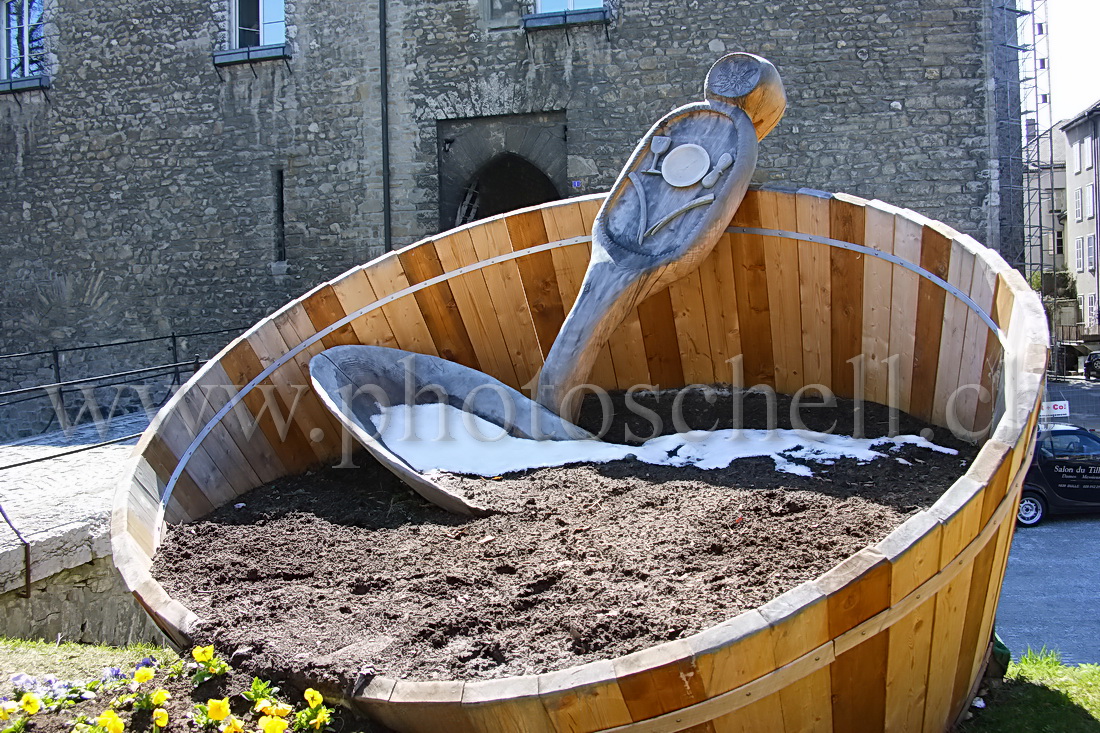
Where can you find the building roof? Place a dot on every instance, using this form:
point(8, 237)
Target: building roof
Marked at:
point(1092, 109)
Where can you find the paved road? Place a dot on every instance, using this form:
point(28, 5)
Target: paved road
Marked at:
point(1084, 400)
point(1051, 593)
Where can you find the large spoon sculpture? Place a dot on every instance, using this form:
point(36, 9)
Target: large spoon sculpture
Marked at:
point(666, 211)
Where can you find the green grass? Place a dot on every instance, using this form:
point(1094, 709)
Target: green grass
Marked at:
point(1041, 695)
point(68, 660)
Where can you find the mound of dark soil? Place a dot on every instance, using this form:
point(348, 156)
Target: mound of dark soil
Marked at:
point(347, 572)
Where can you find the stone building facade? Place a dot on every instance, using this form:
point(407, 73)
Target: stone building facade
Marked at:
point(150, 189)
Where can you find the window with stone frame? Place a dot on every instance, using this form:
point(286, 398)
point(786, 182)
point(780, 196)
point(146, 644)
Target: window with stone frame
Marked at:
point(258, 23)
point(560, 6)
point(1079, 252)
point(23, 46)
point(1090, 201)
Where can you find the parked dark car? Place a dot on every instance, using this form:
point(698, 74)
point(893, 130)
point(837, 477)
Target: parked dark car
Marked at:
point(1092, 366)
point(1064, 476)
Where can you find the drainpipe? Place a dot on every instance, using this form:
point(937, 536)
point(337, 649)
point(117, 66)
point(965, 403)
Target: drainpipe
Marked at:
point(383, 70)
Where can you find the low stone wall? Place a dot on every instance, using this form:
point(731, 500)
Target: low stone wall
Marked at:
point(86, 603)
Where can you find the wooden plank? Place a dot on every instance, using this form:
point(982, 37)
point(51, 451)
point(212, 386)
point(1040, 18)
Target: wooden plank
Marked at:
point(715, 311)
point(540, 283)
point(800, 623)
point(856, 590)
point(471, 294)
point(878, 276)
point(725, 283)
point(913, 551)
point(296, 328)
point(751, 285)
point(692, 336)
point(778, 211)
point(241, 425)
point(438, 306)
point(972, 645)
point(812, 214)
point(903, 311)
point(991, 371)
point(732, 654)
point(198, 400)
point(323, 308)
point(659, 680)
point(935, 258)
point(204, 470)
point(296, 398)
point(960, 527)
point(662, 349)
point(506, 293)
point(973, 346)
point(190, 500)
point(570, 264)
point(628, 353)
point(415, 705)
point(505, 704)
point(584, 699)
point(960, 274)
point(354, 292)
point(847, 223)
point(386, 277)
point(241, 365)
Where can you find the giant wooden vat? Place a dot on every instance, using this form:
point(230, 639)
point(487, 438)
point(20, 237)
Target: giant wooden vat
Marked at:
point(894, 638)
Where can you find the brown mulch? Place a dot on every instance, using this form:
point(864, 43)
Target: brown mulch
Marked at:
point(342, 574)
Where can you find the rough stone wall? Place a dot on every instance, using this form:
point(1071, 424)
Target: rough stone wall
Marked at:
point(138, 192)
point(88, 603)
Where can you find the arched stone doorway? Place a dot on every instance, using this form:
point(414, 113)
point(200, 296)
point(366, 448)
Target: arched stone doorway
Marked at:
point(505, 183)
point(487, 164)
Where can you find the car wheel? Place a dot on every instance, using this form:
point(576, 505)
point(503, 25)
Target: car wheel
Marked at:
point(1032, 509)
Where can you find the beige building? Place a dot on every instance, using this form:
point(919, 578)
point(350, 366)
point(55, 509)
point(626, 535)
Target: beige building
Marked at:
point(1082, 181)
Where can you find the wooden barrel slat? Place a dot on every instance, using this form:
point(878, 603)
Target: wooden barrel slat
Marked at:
point(891, 639)
point(847, 223)
point(294, 401)
point(354, 292)
point(781, 266)
point(295, 328)
point(960, 273)
point(438, 305)
point(751, 287)
point(935, 256)
point(509, 302)
point(241, 365)
point(812, 216)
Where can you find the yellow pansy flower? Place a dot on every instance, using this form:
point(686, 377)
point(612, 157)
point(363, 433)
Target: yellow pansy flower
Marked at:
point(110, 722)
point(313, 697)
point(143, 674)
point(160, 717)
point(322, 718)
point(279, 710)
point(7, 708)
point(271, 724)
point(262, 705)
point(203, 653)
point(159, 696)
point(217, 709)
point(30, 703)
point(232, 725)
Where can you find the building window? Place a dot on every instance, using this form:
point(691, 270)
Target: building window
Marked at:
point(1079, 253)
point(560, 6)
point(1086, 151)
point(1077, 156)
point(1059, 242)
point(1091, 314)
point(23, 46)
point(259, 23)
point(1077, 204)
point(1090, 201)
point(1090, 254)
